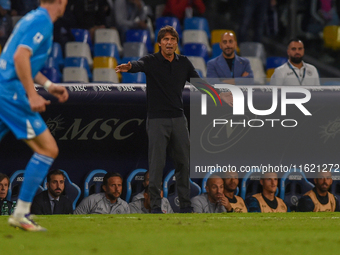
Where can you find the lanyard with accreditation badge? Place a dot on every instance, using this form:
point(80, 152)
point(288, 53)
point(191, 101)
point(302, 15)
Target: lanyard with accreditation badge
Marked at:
point(304, 73)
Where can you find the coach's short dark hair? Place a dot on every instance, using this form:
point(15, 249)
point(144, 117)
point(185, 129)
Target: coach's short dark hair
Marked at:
point(167, 29)
point(109, 175)
point(3, 176)
point(294, 40)
point(55, 172)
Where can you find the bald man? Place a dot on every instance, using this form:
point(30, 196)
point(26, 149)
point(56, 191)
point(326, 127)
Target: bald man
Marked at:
point(213, 201)
point(228, 65)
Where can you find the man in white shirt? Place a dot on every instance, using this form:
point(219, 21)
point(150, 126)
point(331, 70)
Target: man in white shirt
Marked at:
point(295, 71)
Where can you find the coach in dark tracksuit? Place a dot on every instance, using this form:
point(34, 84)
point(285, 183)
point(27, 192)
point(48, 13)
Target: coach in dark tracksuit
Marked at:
point(166, 75)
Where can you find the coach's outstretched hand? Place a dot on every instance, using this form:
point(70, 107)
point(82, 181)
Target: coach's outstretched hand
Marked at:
point(227, 97)
point(59, 92)
point(123, 68)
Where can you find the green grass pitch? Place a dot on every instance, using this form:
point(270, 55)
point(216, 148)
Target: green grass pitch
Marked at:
point(252, 233)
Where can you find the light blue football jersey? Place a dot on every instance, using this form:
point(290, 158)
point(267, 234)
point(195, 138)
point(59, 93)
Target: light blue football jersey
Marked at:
point(35, 32)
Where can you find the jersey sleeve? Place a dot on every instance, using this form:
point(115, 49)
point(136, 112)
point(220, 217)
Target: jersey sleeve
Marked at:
point(83, 207)
point(33, 38)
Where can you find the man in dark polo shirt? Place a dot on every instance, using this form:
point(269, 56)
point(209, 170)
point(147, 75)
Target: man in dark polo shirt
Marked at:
point(319, 199)
point(166, 74)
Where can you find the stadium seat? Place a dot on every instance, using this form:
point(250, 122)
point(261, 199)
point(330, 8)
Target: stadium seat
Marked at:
point(72, 191)
point(258, 70)
point(199, 63)
point(108, 35)
point(78, 49)
point(204, 183)
point(171, 21)
point(104, 62)
point(195, 36)
point(273, 62)
point(57, 53)
point(107, 50)
point(135, 49)
point(134, 183)
point(250, 184)
point(15, 183)
point(93, 182)
point(139, 35)
point(270, 72)
point(52, 73)
point(127, 59)
point(82, 35)
point(170, 190)
point(253, 49)
point(196, 50)
point(197, 23)
point(216, 50)
point(133, 77)
point(105, 75)
point(75, 74)
point(294, 185)
point(331, 37)
point(78, 62)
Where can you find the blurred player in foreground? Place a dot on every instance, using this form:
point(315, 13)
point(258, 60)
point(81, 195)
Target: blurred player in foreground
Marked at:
point(23, 56)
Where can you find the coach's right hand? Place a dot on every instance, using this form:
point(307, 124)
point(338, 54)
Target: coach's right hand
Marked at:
point(123, 67)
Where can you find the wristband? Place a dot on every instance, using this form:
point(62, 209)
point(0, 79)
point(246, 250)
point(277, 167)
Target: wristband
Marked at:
point(47, 85)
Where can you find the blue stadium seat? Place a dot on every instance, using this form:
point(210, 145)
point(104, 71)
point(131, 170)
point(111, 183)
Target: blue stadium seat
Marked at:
point(78, 62)
point(250, 184)
point(134, 77)
point(196, 49)
point(273, 62)
point(93, 182)
point(139, 35)
point(294, 185)
point(216, 50)
point(15, 183)
point(253, 49)
point(72, 191)
point(171, 21)
point(134, 183)
point(170, 190)
point(57, 53)
point(52, 73)
point(107, 50)
point(204, 183)
point(127, 59)
point(82, 35)
point(197, 23)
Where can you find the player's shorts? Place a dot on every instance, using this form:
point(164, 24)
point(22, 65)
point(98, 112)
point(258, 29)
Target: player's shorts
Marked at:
point(16, 116)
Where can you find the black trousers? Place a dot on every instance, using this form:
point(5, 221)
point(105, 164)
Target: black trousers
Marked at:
point(172, 132)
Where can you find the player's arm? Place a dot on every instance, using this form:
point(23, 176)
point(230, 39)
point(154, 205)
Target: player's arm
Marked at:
point(23, 69)
point(59, 92)
point(132, 67)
